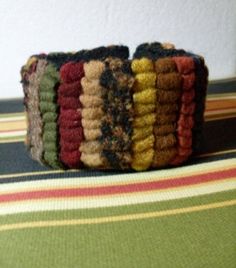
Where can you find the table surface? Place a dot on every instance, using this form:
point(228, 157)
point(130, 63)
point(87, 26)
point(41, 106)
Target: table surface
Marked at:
point(174, 217)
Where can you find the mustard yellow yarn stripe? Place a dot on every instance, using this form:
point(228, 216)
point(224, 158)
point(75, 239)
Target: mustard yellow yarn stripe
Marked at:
point(144, 97)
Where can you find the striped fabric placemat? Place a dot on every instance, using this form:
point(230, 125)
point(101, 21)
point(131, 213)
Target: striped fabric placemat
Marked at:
point(177, 217)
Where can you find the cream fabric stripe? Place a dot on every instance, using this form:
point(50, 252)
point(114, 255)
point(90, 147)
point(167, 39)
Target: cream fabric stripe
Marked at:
point(217, 153)
point(74, 183)
point(13, 118)
point(221, 112)
point(25, 174)
point(118, 218)
point(115, 200)
point(90, 181)
point(12, 133)
point(219, 97)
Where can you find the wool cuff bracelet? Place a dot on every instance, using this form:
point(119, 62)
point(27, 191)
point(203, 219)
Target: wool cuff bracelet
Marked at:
point(98, 109)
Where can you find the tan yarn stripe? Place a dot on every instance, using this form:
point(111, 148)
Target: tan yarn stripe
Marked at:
point(91, 117)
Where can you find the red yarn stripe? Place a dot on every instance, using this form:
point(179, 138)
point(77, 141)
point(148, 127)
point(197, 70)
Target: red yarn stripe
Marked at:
point(69, 121)
point(185, 66)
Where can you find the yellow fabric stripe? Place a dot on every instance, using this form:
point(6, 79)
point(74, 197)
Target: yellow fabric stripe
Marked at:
point(10, 126)
point(119, 218)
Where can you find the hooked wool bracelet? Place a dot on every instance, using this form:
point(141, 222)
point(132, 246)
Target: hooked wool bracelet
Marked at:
point(99, 109)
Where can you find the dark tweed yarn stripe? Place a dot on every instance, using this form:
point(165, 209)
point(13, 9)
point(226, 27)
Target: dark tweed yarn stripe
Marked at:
point(117, 124)
point(100, 53)
point(155, 51)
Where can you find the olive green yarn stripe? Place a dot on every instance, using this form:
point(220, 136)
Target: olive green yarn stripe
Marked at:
point(49, 79)
point(51, 158)
point(48, 96)
point(50, 136)
point(49, 117)
point(50, 146)
point(49, 109)
point(46, 106)
point(119, 210)
point(51, 126)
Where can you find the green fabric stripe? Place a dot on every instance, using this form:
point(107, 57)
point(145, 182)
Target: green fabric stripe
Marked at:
point(200, 239)
point(119, 210)
point(22, 137)
point(12, 115)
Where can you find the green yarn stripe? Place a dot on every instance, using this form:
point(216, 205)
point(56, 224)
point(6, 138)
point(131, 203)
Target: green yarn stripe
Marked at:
point(49, 117)
point(47, 106)
point(48, 96)
point(49, 109)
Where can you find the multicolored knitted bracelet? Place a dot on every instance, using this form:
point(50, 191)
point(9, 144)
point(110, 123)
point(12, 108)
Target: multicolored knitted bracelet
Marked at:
point(98, 109)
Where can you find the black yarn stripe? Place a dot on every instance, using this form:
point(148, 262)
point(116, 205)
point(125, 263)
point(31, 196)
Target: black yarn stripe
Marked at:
point(155, 51)
point(200, 96)
point(101, 53)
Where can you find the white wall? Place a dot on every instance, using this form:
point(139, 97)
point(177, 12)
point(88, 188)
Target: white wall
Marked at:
point(207, 27)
